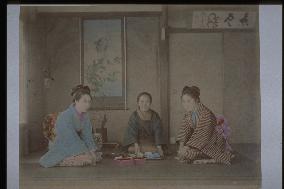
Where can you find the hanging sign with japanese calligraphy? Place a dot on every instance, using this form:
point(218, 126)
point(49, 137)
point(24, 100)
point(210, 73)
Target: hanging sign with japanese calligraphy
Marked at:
point(223, 20)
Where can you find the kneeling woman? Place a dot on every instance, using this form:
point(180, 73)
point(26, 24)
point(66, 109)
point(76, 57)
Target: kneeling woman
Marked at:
point(144, 132)
point(74, 144)
point(197, 136)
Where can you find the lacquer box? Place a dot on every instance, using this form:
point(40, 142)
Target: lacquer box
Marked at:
point(129, 161)
point(124, 161)
point(139, 161)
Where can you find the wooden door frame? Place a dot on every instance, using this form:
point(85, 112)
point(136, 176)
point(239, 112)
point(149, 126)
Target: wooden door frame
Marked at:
point(164, 72)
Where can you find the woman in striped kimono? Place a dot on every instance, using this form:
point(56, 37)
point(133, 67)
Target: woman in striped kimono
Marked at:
point(197, 136)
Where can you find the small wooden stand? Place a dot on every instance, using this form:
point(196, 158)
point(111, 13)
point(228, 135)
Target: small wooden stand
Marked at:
point(103, 132)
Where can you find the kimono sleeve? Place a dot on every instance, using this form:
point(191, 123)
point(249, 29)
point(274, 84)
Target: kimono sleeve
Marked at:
point(131, 133)
point(67, 135)
point(158, 130)
point(87, 135)
point(186, 130)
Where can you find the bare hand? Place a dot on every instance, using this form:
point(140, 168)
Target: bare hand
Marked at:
point(181, 146)
point(160, 151)
point(181, 150)
point(137, 148)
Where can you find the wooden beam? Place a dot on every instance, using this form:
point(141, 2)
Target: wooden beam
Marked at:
point(191, 30)
point(98, 14)
point(164, 72)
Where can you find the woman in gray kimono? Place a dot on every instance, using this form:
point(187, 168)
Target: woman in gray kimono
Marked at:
point(144, 131)
point(74, 144)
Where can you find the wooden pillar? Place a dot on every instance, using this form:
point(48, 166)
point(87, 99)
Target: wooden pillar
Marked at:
point(164, 71)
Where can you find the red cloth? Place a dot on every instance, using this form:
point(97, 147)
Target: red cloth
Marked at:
point(48, 125)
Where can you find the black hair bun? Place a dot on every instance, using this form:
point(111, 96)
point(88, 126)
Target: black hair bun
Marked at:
point(79, 88)
point(185, 88)
point(193, 91)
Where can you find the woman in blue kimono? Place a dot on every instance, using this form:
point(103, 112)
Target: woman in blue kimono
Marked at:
point(74, 144)
point(144, 131)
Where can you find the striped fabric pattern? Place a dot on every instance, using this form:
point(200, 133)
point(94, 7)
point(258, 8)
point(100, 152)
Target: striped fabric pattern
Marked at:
point(204, 139)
